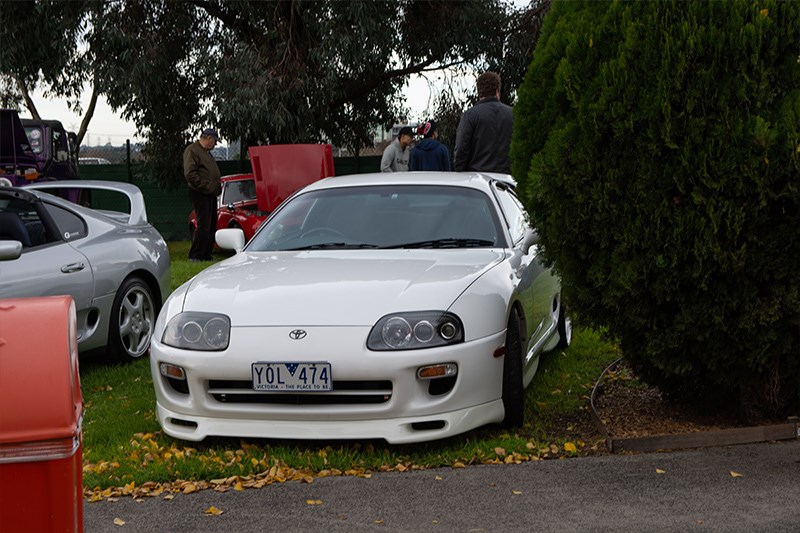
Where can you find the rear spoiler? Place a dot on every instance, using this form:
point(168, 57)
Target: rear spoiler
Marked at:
point(138, 214)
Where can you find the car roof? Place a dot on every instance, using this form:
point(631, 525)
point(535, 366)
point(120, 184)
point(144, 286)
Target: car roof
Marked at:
point(236, 177)
point(475, 180)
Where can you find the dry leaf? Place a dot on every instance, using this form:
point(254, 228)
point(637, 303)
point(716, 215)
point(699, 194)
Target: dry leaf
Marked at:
point(379, 521)
point(736, 474)
point(119, 522)
point(659, 471)
point(516, 492)
point(213, 511)
point(500, 451)
point(190, 488)
point(764, 12)
point(438, 478)
point(314, 502)
point(570, 447)
point(169, 497)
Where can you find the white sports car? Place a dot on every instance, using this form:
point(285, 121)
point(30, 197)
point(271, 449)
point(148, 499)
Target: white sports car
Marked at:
point(406, 306)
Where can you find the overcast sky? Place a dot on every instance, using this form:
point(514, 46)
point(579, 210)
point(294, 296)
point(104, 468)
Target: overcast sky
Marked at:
point(108, 127)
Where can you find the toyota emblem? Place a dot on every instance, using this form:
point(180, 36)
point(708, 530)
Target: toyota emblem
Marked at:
point(297, 334)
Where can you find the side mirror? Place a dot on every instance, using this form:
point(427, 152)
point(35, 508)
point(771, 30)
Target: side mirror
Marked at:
point(230, 239)
point(530, 239)
point(10, 250)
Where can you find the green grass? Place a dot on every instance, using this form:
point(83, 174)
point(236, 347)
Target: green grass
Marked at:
point(123, 443)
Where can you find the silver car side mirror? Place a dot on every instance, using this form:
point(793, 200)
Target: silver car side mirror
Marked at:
point(230, 239)
point(530, 239)
point(10, 250)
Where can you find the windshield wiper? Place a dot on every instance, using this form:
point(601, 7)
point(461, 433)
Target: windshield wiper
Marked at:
point(445, 243)
point(331, 246)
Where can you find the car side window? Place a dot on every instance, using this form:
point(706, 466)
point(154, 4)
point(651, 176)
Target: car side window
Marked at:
point(516, 217)
point(70, 225)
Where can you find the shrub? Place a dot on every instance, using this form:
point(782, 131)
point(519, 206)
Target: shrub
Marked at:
point(658, 147)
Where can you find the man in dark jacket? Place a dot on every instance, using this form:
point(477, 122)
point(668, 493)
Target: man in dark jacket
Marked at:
point(202, 176)
point(483, 139)
point(430, 154)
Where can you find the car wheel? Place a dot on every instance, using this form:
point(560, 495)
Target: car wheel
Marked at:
point(133, 316)
point(513, 392)
point(564, 328)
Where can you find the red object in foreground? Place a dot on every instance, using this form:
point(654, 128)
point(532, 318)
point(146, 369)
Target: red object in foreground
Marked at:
point(282, 169)
point(40, 419)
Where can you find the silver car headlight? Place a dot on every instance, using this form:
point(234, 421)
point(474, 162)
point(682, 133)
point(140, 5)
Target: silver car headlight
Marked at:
point(198, 331)
point(412, 331)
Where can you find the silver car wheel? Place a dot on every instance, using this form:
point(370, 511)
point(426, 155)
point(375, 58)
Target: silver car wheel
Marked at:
point(135, 317)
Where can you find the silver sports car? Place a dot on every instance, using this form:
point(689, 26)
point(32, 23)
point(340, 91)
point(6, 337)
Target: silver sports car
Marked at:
point(115, 265)
point(409, 307)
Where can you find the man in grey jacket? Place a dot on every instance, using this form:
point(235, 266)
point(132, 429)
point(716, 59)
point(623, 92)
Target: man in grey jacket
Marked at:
point(395, 157)
point(483, 138)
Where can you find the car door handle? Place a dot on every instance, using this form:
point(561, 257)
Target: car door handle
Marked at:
point(72, 267)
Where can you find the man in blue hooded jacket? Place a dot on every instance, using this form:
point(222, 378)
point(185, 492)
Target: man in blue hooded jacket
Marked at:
point(430, 154)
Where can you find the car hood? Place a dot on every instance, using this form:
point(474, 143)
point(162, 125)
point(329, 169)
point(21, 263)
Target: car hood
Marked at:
point(341, 288)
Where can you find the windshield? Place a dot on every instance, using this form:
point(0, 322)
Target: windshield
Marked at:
point(238, 191)
point(386, 216)
point(36, 138)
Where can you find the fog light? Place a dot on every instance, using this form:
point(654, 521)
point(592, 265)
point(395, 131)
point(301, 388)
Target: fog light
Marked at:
point(442, 370)
point(172, 371)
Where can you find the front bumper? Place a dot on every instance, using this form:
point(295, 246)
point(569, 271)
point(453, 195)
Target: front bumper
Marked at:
point(408, 411)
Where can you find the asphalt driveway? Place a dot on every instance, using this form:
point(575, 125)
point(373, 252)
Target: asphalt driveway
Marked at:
point(738, 488)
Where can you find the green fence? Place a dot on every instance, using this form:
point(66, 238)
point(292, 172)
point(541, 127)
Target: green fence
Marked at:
point(168, 209)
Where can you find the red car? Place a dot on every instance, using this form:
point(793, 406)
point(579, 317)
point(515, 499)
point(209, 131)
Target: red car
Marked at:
point(237, 206)
point(279, 170)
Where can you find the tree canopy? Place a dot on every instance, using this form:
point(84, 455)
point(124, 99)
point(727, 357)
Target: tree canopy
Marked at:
point(658, 146)
point(260, 71)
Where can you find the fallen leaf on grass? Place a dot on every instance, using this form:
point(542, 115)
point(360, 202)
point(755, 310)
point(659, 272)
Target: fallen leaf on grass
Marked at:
point(500, 451)
point(119, 522)
point(213, 511)
point(736, 474)
point(570, 447)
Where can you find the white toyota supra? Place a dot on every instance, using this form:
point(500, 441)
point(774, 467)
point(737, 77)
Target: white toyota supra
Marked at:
point(405, 306)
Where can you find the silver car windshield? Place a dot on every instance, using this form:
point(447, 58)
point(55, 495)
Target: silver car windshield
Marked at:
point(385, 216)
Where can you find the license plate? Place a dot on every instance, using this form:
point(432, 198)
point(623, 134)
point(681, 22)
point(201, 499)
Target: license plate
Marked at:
point(291, 377)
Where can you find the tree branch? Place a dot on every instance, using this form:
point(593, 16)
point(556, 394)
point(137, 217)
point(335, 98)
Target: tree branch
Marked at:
point(359, 88)
point(23, 89)
point(89, 114)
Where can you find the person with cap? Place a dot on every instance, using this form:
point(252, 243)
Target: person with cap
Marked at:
point(202, 176)
point(483, 138)
point(430, 154)
point(396, 155)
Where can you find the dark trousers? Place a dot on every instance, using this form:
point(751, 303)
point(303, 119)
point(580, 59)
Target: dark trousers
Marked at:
point(205, 208)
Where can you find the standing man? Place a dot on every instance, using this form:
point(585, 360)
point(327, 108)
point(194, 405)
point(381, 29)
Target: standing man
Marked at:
point(395, 157)
point(483, 139)
point(202, 176)
point(430, 154)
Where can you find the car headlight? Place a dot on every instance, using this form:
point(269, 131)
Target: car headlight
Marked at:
point(198, 331)
point(412, 331)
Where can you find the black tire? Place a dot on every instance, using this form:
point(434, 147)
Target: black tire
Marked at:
point(564, 329)
point(513, 392)
point(133, 317)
